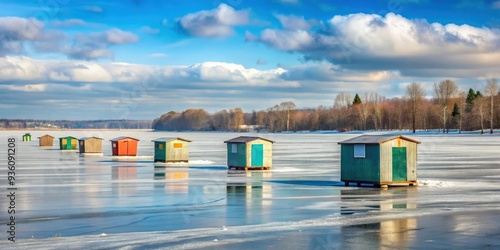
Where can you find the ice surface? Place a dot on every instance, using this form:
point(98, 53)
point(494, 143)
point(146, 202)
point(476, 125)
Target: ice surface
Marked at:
point(99, 201)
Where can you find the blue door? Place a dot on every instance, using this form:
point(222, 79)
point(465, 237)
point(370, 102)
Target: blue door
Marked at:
point(257, 155)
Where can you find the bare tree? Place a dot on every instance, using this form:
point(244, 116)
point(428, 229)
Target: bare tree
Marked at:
point(415, 93)
point(480, 106)
point(342, 100)
point(287, 107)
point(462, 105)
point(491, 90)
point(445, 90)
point(342, 104)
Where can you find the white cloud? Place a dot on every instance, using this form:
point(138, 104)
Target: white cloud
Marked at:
point(150, 30)
point(158, 55)
point(95, 9)
point(26, 88)
point(249, 37)
point(413, 47)
point(292, 22)
point(96, 45)
point(14, 31)
point(288, 40)
point(217, 22)
point(68, 23)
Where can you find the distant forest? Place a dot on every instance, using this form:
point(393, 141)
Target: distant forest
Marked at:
point(66, 124)
point(449, 109)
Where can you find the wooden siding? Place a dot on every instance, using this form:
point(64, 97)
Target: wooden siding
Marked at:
point(175, 153)
point(90, 145)
point(268, 152)
point(46, 141)
point(360, 169)
point(386, 159)
point(172, 151)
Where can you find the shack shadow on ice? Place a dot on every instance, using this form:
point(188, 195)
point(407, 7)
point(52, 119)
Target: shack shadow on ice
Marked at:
point(381, 160)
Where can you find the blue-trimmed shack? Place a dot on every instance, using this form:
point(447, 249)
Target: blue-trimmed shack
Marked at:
point(382, 160)
point(171, 149)
point(249, 152)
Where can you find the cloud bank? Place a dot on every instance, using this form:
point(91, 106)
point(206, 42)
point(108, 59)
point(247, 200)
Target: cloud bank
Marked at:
point(218, 22)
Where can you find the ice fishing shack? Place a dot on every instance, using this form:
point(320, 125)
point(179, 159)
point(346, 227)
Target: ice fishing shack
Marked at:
point(381, 160)
point(67, 143)
point(248, 152)
point(90, 145)
point(171, 149)
point(27, 137)
point(124, 146)
point(46, 141)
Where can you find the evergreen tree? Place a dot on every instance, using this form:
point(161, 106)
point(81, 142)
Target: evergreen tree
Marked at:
point(456, 111)
point(357, 100)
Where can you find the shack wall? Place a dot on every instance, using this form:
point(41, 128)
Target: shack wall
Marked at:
point(360, 169)
point(386, 159)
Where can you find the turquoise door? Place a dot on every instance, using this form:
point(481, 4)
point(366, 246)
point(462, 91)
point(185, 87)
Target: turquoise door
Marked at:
point(257, 155)
point(398, 164)
point(68, 143)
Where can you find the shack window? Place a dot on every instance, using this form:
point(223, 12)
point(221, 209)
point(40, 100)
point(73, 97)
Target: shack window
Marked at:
point(359, 151)
point(234, 148)
point(160, 146)
point(177, 145)
point(114, 145)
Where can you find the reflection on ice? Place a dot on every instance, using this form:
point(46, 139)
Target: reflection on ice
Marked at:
point(364, 200)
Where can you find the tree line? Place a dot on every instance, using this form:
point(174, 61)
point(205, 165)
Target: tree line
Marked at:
point(448, 109)
point(68, 124)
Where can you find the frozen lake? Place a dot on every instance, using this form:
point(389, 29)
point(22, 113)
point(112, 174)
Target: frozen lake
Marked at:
point(100, 201)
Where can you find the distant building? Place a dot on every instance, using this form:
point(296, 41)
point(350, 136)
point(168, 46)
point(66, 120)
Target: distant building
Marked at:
point(90, 145)
point(67, 143)
point(382, 160)
point(124, 146)
point(27, 137)
point(46, 141)
point(171, 150)
point(247, 152)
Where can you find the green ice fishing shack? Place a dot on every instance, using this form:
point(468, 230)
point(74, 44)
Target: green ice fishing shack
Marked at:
point(382, 160)
point(27, 137)
point(67, 143)
point(249, 152)
point(171, 149)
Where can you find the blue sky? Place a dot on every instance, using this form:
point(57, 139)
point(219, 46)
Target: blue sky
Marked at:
point(71, 59)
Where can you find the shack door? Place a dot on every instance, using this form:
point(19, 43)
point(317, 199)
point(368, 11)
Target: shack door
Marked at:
point(257, 155)
point(398, 164)
point(125, 147)
point(68, 143)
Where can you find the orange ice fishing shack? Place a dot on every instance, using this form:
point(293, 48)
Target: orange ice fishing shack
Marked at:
point(124, 146)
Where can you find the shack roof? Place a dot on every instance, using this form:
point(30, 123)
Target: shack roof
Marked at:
point(64, 137)
point(167, 139)
point(85, 138)
point(376, 139)
point(245, 139)
point(124, 138)
point(46, 136)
